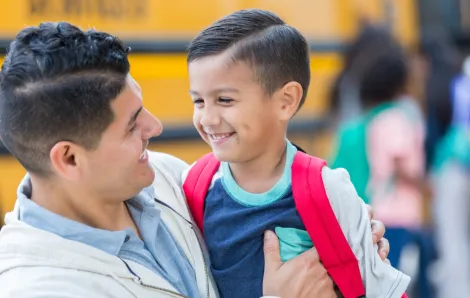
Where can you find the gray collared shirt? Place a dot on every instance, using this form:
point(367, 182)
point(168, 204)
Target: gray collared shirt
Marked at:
point(158, 251)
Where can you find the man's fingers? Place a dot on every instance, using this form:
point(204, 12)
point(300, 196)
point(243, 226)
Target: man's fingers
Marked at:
point(272, 252)
point(370, 211)
point(384, 248)
point(378, 231)
point(308, 258)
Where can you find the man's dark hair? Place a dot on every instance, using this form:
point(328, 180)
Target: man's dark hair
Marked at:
point(277, 52)
point(57, 84)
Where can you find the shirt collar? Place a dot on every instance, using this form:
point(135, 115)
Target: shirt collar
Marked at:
point(108, 241)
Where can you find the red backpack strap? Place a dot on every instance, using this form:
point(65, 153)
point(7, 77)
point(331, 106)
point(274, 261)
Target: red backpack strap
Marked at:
point(197, 184)
point(316, 213)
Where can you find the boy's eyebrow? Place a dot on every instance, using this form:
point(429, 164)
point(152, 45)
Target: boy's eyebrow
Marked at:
point(218, 90)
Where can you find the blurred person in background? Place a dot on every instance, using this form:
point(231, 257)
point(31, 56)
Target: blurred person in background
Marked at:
point(460, 96)
point(347, 107)
point(384, 146)
point(450, 171)
point(443, 67)
point(345, 103)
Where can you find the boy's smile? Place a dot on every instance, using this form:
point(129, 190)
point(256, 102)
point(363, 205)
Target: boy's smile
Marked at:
point(220, 138)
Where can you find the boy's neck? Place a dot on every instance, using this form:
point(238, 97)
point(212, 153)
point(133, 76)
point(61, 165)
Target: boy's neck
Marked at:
point(259, 175)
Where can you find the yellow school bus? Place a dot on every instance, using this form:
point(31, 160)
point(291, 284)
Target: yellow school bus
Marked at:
point(158, 32)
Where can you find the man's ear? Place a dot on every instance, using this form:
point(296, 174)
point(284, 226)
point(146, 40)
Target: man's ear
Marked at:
point(65, 159)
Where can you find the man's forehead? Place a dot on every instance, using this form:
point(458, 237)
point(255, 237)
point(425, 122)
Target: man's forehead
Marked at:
point(129, 100)
point(133, 82)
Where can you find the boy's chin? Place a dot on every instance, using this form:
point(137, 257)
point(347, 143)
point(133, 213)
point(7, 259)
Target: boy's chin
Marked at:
point(226, 156)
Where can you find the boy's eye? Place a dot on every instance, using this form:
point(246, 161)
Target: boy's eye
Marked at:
point(225, 100)
point(133, 127)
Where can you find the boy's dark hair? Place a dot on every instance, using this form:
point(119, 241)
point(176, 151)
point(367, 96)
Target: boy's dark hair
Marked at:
point(57, 84)
point(277, 52)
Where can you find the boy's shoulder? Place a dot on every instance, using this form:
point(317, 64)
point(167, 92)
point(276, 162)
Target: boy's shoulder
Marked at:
point(337, 184)
point(338, 187)
point(216, 176)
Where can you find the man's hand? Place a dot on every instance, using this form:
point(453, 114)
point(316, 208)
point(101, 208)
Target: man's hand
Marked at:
point(378, 232)
point(303, 276)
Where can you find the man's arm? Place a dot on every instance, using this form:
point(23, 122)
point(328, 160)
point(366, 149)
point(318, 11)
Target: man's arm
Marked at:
point(304, 275)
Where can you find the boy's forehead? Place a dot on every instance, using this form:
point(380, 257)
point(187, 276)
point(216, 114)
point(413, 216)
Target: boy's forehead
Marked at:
point(212, 63)
point(218, 68)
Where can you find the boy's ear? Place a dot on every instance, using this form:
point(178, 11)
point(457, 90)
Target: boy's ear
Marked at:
point(290, 97)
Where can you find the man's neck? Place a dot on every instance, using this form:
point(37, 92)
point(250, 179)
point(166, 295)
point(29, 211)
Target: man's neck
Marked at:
point(82, 207)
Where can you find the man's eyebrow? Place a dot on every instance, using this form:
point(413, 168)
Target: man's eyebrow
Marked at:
point(134, 116)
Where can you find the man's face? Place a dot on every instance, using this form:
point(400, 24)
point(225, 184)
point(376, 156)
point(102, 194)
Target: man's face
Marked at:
point(232, 112)
point(119, 167)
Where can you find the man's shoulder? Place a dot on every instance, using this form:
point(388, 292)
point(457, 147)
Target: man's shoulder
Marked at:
point(167, 160)
point(168, 166)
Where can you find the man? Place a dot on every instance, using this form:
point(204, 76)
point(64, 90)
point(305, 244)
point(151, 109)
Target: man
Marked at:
point(86, 222)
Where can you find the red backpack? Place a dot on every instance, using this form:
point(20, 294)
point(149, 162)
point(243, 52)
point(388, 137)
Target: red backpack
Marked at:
point(313, 207)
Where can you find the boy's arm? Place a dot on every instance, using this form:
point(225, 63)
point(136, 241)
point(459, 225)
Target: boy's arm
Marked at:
point(379, 278)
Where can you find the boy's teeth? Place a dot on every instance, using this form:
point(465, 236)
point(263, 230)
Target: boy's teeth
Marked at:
point(220, 136)
point(142, 155)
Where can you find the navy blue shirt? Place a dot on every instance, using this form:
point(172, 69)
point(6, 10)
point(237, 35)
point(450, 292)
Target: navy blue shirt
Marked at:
point(234, 226)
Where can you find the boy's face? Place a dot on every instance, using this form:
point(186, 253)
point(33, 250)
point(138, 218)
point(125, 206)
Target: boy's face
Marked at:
point(232, 112)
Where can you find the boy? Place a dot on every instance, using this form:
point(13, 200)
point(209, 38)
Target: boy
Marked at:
point(249, 74)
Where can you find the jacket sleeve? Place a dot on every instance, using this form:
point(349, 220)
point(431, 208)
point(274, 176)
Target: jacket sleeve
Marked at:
point(379, 278)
